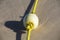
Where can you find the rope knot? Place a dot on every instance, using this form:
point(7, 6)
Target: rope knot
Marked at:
point(30, 26)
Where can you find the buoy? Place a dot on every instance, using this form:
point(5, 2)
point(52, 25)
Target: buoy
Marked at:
point(31, 19)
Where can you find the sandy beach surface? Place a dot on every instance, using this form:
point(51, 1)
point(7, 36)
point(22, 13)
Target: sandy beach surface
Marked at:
point(12, 13)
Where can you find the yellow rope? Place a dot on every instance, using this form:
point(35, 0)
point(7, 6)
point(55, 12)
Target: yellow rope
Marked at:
point(30, 26)
point(34, 6)
point(29, 29)
point(28, 34)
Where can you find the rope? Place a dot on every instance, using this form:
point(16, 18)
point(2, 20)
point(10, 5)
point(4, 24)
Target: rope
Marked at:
point(30, 26)
point(28, 34)
point(34, 6)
